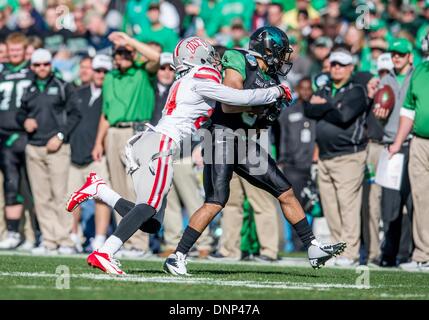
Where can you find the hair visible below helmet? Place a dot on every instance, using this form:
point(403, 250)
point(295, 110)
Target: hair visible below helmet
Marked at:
point(194, 51)
point(272, 45)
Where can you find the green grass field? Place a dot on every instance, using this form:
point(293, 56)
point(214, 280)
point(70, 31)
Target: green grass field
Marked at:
point(29, 277)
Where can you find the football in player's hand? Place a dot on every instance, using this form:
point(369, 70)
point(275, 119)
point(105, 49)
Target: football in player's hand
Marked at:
point(384, 98)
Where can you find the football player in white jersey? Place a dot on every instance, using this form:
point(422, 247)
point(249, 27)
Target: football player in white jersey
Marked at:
point(150, 154)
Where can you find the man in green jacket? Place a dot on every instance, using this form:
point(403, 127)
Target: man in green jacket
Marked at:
point(415, 118)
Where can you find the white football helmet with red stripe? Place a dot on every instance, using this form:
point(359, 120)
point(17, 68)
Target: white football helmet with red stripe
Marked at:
point(192, 52)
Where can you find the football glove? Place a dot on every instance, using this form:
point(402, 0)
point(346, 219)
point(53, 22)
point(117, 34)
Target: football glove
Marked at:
point(286, 93)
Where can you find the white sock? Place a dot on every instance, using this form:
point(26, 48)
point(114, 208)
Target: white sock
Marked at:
point(98, 241)
point(111, 246)
point(107, 195)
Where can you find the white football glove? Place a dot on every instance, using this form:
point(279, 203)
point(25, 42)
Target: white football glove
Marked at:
point(131, 165)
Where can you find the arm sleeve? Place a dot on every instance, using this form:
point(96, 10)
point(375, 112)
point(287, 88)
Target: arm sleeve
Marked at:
point(22, 113)
point(316, 111)
point(348, 109)
point(73, 113)
point(410, 101)
point(105, 92)
point(218, 92)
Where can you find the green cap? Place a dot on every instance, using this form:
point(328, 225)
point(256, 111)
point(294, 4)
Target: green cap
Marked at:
point(3, 4)
point(153, 4)
point(377, 24)
point(323, 41)
point(293, 40)
point(401, 45)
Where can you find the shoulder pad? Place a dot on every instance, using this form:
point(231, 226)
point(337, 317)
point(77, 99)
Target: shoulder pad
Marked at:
point(251, 59)
point(209, 74)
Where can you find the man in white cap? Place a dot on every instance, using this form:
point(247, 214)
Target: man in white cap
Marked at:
point(397, 243)
point(82, 140)
point(49, 114)
point(384, 64)
point(340, 108)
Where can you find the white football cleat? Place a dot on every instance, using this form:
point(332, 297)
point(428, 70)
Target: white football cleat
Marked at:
point(88, 190)
point(415, 266)
point(345, 262)
point(105, 263)
point(66, 250)
point(76, 242)
point(13, 239)
point(27, 245)
point(44, 251)
point(175, 264)
point(319, 253)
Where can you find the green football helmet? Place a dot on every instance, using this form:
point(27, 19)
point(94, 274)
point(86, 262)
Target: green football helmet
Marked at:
point(272, 45)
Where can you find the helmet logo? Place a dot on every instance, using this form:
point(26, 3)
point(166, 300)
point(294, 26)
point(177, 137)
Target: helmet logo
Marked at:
point(194, 44)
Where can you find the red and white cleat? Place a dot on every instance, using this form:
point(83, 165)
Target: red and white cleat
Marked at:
point(105, 263)
point(87, 191)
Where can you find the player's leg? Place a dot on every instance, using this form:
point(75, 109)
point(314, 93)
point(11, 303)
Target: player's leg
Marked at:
point(272, 180)
point(216, 186)
point(151, 188)
point(187, 187)
point(11, 163)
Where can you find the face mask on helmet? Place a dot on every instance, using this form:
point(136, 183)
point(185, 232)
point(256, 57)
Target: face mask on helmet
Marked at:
point(212, 59)
point(278, 61)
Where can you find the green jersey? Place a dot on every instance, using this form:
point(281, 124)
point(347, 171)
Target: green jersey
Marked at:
point(226, 11)
point(128, 96)
point(416, 99)
point(233, 59)
point(135, 17)
point(166, 37)
point(14, 80)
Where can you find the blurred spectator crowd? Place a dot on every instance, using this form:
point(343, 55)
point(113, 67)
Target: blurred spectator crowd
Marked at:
point(79, 78)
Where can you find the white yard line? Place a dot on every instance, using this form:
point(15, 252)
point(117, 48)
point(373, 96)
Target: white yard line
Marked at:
point(195, 281)
point(284, 262)
point(36, 287)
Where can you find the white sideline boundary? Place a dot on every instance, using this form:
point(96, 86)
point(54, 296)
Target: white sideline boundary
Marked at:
point(276, 285)
point(191, 280)
point(284, 262)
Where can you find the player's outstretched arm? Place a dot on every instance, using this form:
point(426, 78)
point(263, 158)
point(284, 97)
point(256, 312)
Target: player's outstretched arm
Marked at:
point(226, 95)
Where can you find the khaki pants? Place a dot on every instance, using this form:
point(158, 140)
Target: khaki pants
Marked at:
point(78, 174)
point(419, 178)
point(266, 219)
point(121, 182)
point(185, 189)
point(340, 183)
point(2, 214)
point(48, 174)
point(371, 211)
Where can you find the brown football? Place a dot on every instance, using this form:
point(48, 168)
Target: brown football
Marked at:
point(384, 98)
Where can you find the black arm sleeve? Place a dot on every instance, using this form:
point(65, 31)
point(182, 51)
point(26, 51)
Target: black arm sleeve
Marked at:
point(284, 136)
point(316, 111)
point(73, 113)
point(349, 108)
point(23, 112)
